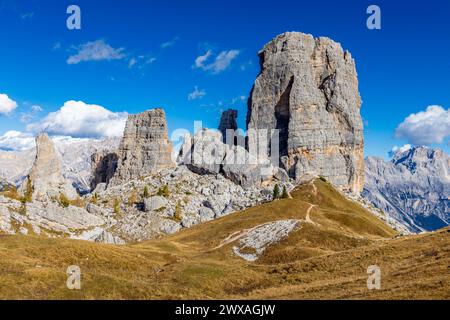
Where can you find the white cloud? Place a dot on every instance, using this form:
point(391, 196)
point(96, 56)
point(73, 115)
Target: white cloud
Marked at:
point(425, 127)
point(36, 108)
point(397, 149)
point(221, 62)
point(141, 61)
point(56, 46)
point(239, 99)
point(132, 62)
point(15, 140)
point(196, 94)
point(20, 141)
point(27, 15)
point(169, 43)
point(7, 105)
point(26, 117)
point(96, 51)
point(78, 119)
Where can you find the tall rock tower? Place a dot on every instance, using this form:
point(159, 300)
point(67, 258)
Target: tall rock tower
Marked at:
point(308, 90)
point(145, 147)
point(45, 178)
point(228, 125)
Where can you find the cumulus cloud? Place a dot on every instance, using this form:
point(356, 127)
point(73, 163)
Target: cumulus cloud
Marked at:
point(397, 149)
point(425, 127)
point(16, 140)
point(81, 120)
point(96, 51)
point(7, 105)
point(196, 94)
point(220, 63)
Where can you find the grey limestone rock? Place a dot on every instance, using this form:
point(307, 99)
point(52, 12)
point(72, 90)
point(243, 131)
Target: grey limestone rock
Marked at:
point(145, 147)
point(413, 187)
point(308, 90)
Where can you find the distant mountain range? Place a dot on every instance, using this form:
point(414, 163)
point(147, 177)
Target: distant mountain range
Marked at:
point(413, 188)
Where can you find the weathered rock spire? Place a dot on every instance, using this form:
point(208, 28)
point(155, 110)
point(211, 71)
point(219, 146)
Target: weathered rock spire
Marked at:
point(308, 91)
point(45, 178)
point(145, 147)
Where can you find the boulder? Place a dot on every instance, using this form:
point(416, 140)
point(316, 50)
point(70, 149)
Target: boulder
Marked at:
point(155, 203)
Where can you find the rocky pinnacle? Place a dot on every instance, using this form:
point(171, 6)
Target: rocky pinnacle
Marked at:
point(228, 125)
point(308, 90)
point(145, 147)
point(45, 177)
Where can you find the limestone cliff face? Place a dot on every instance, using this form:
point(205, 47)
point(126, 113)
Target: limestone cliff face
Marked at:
point(145, 147)
point(308, 90)
point(104, 166)
point(45, 176)
point(413, 187)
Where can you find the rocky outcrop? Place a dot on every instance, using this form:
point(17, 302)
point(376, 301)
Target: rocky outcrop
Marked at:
point(45, 179)
point(413, 187)
point(145, 147)
point(228, 126)
point(104, 166)
point(308, 90)
point(205, 153)
point(190, 199)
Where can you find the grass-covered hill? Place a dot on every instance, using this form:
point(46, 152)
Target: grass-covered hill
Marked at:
point(317, 244)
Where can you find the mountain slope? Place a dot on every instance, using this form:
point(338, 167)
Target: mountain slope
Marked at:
point(413, 188)
point(325, 255)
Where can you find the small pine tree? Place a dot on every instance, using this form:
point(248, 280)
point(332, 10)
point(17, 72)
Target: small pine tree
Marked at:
point(276, 192)
point(116, 206)
point(94, 199)
point(28, 194)
point(178, 212)
point(146, 193)
point(284, 194)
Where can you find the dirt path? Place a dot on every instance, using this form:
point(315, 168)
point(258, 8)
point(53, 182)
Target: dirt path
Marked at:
point(238, 235)
point(311, 183)
point(242, 233)
point(308, 217)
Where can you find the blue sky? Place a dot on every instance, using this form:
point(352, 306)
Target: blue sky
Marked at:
point(153, 46)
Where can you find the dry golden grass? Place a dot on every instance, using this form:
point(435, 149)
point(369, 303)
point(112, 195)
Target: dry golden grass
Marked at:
point(325, 260)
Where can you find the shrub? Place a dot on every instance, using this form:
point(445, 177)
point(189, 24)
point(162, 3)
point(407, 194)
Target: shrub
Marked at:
point(11, 192)
point(78, 202)
point(94, 199)
point(164, 191)
point(276, 192)
point(133, 198)
point(63, 200)
point(323, 178)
